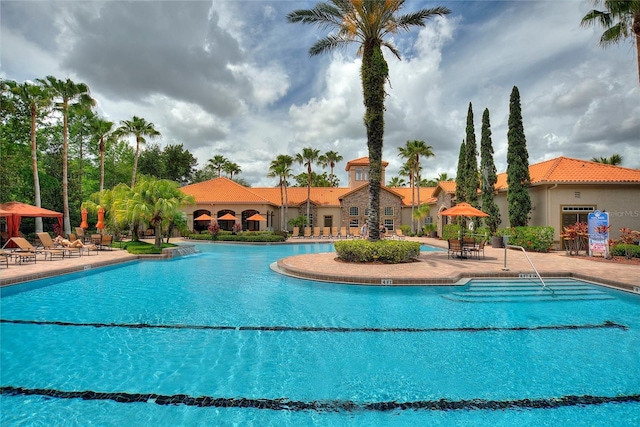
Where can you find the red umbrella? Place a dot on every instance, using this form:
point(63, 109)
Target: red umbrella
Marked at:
point(100, 224)
point(84, 223)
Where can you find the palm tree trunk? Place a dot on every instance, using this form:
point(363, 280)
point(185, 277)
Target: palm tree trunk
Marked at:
point(281, 205)
point(135, 162)
point(65, 168)
point(309, 193)
point(374, 74)
point(102, 163)
point(34, 166)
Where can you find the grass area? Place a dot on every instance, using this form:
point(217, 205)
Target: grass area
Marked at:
point(141, 248)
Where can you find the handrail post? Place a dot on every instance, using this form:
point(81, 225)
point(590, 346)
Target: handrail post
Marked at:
point(544, 285)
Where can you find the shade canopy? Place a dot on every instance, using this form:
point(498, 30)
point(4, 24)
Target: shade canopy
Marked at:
point(463, 209)
point(227, 217)
point(14, 211)
point(256, 217)
point(204, 217)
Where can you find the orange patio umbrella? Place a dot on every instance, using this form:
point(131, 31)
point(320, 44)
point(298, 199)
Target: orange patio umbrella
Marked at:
point(227, 217)
point(84, 223)
point(463, 209)
point(204, 217)
point(100, 224)
point(256, 217)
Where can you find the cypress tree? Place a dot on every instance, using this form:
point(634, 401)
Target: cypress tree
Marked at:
point(489, 176)
point(461, 173)
point(518, 200)
point(471, 164)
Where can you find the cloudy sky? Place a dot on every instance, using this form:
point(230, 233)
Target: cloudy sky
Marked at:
point(234, 78)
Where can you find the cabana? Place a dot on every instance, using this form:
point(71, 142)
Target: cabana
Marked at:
point(14, 211)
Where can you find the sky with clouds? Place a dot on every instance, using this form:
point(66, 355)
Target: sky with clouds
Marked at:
point(234, 78)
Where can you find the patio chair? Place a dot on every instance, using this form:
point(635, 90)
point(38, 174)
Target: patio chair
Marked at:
point(477, 249)
point(106, 242)
point(4, 257)
point(80, 235)
point(50, 247)
point(454, 249)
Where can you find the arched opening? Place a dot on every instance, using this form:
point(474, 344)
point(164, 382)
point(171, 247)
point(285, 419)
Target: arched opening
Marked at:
point(226, 218)
point(200, 225)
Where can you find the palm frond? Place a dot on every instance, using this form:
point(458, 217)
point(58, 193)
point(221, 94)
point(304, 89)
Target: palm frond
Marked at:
point(328, 43)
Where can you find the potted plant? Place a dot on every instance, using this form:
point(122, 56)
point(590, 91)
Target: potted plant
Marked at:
point(431, 230)
point(497, 239)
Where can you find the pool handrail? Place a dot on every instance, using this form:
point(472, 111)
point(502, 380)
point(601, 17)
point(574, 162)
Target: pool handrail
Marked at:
point(544, 285)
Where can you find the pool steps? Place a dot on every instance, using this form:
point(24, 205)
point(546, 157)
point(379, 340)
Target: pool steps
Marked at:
point(526, 292)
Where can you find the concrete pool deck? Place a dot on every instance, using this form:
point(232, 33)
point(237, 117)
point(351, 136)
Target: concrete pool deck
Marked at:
point(431, 268)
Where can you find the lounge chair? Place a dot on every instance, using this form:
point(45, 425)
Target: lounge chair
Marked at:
point(343, 232)
point(326, 232)
point(4, 257)
point(307, 232)
point(296, 232)
point(354, 232)
point(80, 235)
point(25, 252)
point(399, 234)
point(50, 247)
point(316, 232)
point(334, 232)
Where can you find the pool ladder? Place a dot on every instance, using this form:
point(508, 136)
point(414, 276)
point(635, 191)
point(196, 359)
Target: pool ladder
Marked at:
point(544, 285)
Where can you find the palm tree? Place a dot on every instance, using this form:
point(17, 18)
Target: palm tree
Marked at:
point(217, 163)
point(37, 99)
point(366, 23)
point(409, 169)
point(620, 19)
point(101, 129)
point(231, 168)
point(281, 168)
point(140, 128)
point(330, 158)
point(308, 157)
point(615, 159)
point(67, 93)
point(396, 181)
point(415, 149)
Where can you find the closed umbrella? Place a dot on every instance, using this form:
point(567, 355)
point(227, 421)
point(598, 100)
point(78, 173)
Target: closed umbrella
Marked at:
point(84, 223)
point(100, 224)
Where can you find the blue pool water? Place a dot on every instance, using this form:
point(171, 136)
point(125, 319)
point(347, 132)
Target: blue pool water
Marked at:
point(217, 338)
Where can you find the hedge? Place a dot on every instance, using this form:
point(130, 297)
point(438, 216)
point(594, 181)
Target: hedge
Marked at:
point(386, 251)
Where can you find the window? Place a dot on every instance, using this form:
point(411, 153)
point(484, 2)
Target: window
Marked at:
point(428, 220)
point(388, 211)
point(388, 224)
point(328, 221)
point(353, 211)
point(310, 223)
point(577, 194)
point(354, 222)
point(358, 174)
point(362, 174)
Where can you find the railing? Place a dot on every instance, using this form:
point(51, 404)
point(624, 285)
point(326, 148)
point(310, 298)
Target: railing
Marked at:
point(544, 285)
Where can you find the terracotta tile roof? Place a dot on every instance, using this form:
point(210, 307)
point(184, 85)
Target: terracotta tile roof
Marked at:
point(323, 196)
point(565, 170)
point(362, 161)
point(222, 190)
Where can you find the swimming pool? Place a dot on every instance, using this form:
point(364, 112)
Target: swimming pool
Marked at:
point(217, 338)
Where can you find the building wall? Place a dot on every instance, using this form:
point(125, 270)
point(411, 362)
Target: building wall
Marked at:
point(360, 199)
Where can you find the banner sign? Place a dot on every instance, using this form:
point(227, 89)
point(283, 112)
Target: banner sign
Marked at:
point(598, 242)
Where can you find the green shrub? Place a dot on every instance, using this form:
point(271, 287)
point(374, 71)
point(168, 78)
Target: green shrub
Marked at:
point(406, 229)
point(246, 236)
point(536, 239)
point(625, 250)
point(386, 251)
point(141, 248)
point(451, 231)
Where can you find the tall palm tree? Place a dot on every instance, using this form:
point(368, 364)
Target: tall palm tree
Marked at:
point(409, 169)
point(231, 168)
point(366, 23)
point(101, 129)
point(620, 20)
point(281, 168)
point(217, 163)
point(67, 93)
point(36, 99)
point(308, 157)
point(139, 128)
point(330, 158)
point(415, 149)
point(615, 159)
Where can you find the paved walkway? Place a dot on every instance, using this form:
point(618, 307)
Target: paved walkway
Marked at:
point(431, 268)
